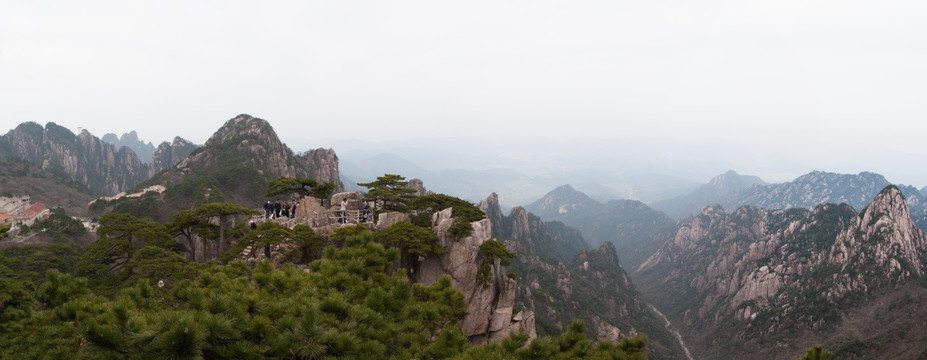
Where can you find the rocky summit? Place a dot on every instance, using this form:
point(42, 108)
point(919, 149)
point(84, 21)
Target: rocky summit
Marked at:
point(237, 163)
point(169, 154)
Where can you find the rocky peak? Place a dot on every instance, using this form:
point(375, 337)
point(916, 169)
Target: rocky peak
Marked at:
point(144, 150)
point(732, 181)
point(493, 211)
point(606, 252)
point(885, 233)
point(169, 154)
point(322, 165)
point(237, 163)
point(419, 186)
point(255, 140)
point(889, 204)
point(243, 126)
point(564, 201)
point(520, 225)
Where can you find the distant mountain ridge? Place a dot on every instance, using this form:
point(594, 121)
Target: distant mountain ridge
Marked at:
point(731, 190)
point(472, 170)
point(634, 228)
point(719, 189)
point(144, 150)
point(165, 156)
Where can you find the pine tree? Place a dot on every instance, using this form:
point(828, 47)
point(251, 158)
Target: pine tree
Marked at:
point(221, 212)
point(816, 353)
point(191, 227)
point(390, 191)
point(412, 242)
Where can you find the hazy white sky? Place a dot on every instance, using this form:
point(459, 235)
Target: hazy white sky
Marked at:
point(829, 85)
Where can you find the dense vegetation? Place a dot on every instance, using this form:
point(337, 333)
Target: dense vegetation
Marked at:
point(139, 291)
point(59, 226)
point(348, 304)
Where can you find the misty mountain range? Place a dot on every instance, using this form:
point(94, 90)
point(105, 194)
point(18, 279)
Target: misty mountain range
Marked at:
point(735, 258)
point(521, 180)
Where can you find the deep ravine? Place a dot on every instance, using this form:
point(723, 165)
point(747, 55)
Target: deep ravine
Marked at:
point(670, 328)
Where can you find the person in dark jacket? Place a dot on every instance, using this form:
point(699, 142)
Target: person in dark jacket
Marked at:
point(277, 207)
point(268, 208)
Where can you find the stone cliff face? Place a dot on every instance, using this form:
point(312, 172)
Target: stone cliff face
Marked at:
point(490, 308)
point(84, 158)
point(320, 164)
point(169, 154)
point(758, 273)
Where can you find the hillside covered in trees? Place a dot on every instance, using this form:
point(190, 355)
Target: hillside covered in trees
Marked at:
point(140, 291)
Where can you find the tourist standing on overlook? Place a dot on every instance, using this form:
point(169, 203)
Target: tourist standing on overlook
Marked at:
point(344, 210)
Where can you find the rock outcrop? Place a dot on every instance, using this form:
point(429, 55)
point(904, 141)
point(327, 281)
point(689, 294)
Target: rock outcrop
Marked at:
point(320, 164)
point(490, 307)
point(419, 187)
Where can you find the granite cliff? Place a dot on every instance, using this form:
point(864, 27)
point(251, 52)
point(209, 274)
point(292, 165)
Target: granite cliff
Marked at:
point(490, 308)
point(759, 279)
point(84, 158)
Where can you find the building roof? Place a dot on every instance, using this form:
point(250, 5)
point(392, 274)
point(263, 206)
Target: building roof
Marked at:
point(32, 211)
point(5, 217)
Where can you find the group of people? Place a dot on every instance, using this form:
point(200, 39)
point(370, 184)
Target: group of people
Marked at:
point(343, 212)
point(273, 210)
point(278, 209)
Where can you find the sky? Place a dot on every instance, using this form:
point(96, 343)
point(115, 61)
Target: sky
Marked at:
point(771, 88)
